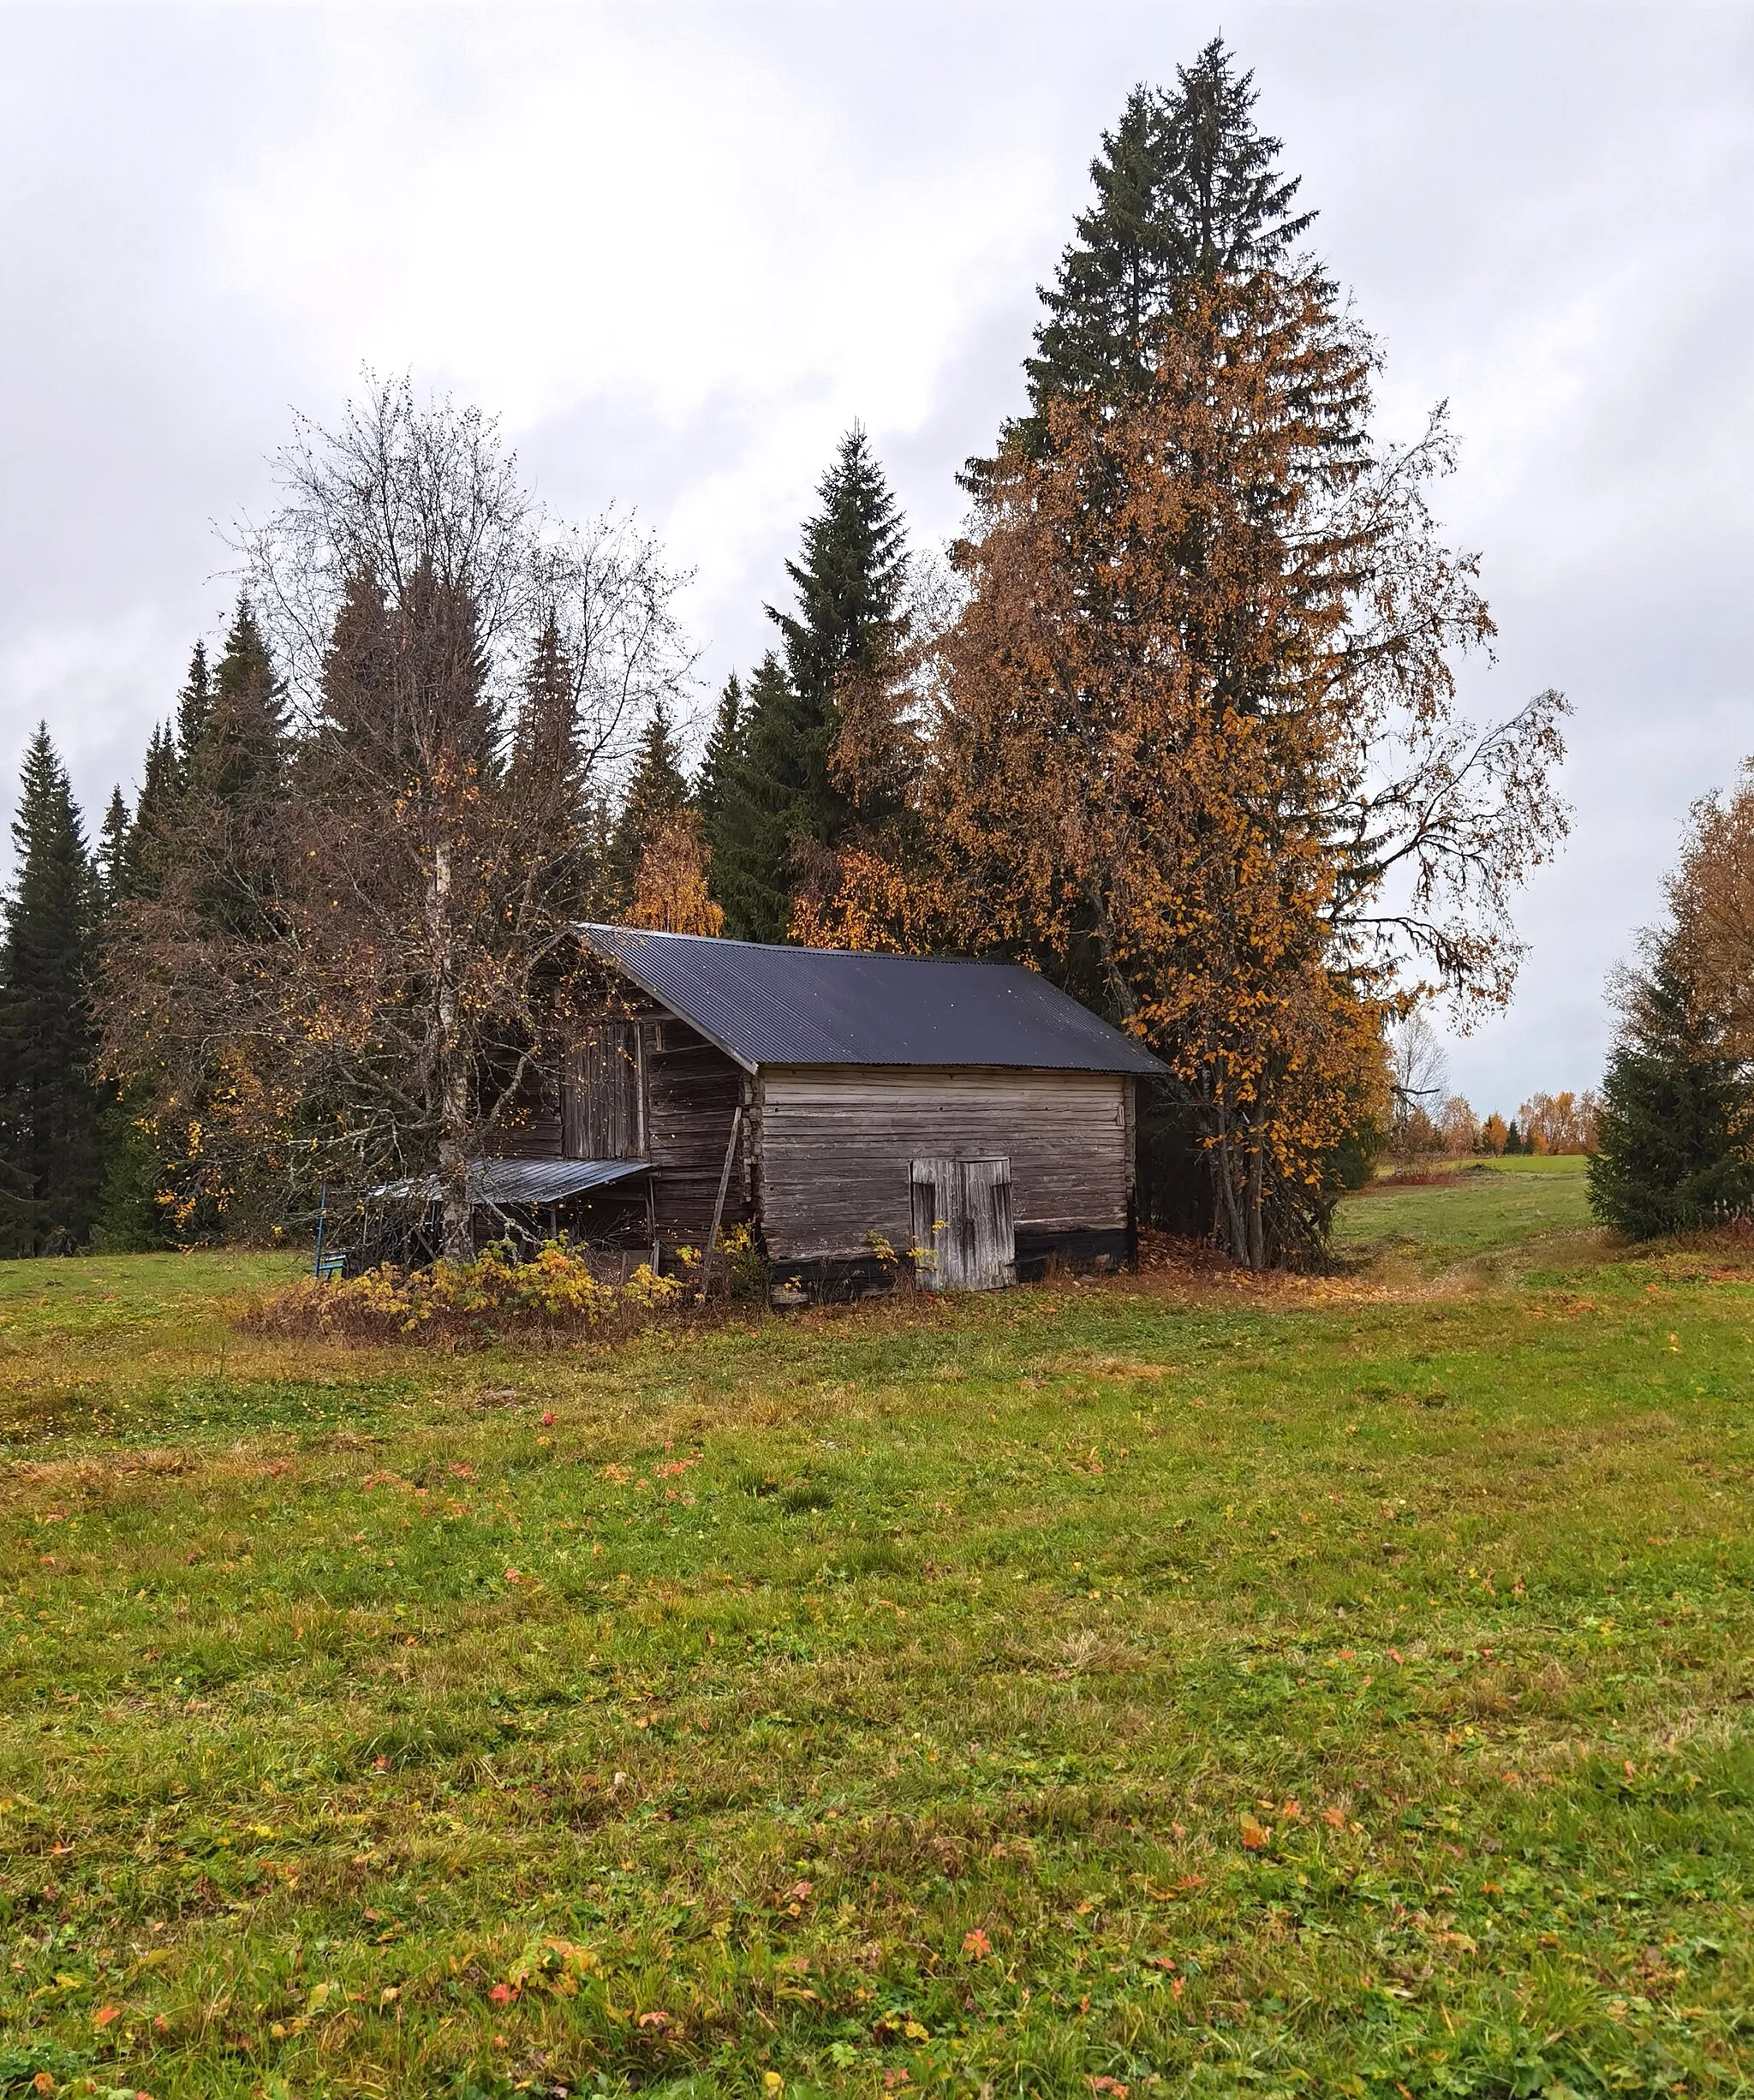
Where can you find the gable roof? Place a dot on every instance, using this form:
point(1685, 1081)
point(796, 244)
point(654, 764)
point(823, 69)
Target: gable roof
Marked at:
point(772, 1005)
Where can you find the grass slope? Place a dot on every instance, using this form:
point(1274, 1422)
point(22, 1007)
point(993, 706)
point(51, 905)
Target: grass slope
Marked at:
point(1326, 1688)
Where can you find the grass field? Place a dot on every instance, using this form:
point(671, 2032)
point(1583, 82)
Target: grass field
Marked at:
point(1163, 1685)
point(1489, 1208)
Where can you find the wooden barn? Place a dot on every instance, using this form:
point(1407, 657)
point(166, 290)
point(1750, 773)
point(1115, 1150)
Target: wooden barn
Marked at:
point(858, 1111)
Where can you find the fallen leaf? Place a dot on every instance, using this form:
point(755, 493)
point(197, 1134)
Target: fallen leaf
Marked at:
point(1254, 1834)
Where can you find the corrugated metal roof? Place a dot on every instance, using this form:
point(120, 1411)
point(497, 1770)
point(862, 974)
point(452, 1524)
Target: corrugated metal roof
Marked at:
point(518, 1181)
point(770, 1005)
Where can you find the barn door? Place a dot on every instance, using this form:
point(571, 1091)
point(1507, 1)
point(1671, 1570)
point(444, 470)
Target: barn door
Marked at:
point(963, 1224)
point(991, 1257)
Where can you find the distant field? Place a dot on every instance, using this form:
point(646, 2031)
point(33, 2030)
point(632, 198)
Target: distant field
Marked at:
point(1329, 1687)
point(1480, 1207)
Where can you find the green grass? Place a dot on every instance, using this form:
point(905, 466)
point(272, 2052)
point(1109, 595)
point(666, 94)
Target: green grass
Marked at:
point(1485, 1209)
point(1340, 1687)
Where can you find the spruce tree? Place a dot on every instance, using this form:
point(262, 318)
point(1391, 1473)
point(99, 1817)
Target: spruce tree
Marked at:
point(1671, 1133)
point(129, 1219)
point(238, 756)
point(232, 776)
point(781, 803)
point(723, 755)
point(544, 734)
point(50, 1109)
point(153, 833)
point(195, 708)
point(193, 888)
point(657, 792)
point(549, 781)
point(112, 858)
point(749, 823)
point(1186, 187)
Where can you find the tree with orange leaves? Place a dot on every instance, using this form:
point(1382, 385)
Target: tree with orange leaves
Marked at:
point(669, 888)
point(1193, 748)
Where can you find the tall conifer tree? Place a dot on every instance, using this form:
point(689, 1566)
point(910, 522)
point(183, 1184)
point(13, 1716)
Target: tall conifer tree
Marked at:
point(194, 708)
point(1187, 187)
point(656, 792)
point(779, 802)
point(50, 1110)
point(233, 776)
point(749, 817)
point(111, 857)
point(723, 754)
point(153, 832)
point(129, 1218)
point(551, 779)
point(194, 883)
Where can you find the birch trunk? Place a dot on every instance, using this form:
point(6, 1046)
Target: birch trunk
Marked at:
point(451, 1078)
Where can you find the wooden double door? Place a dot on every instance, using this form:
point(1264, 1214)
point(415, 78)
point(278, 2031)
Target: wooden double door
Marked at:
point(963, 1238)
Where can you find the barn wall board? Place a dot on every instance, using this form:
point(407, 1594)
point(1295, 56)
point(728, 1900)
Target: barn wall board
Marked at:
point(837, 1143)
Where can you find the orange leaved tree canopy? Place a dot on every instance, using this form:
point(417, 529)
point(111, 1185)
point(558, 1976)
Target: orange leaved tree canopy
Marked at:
point(1192, 744)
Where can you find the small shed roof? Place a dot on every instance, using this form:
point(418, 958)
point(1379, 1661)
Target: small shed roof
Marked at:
point(772, 1005)
point(518, 1181)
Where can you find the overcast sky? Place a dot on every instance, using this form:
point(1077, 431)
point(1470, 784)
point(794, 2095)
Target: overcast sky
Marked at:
point(678, 249)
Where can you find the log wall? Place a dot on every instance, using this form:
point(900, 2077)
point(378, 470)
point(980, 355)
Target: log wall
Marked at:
point(681, 1123)
point(836, 1144)
point(692, 1091)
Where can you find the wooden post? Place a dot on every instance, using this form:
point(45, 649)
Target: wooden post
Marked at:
point(736, 1124)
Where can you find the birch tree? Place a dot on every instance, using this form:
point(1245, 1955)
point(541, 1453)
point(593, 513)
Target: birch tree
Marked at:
point(465, 680)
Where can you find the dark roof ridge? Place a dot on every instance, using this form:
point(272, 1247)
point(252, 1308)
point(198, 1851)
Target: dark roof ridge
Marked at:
point(798, 947)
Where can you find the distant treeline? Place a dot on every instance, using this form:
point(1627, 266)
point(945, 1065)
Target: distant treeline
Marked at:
point(1545, 1123)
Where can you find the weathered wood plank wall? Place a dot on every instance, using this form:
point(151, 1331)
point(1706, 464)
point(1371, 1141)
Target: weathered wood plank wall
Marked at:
point(692, 1091)
point(836, 1143)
